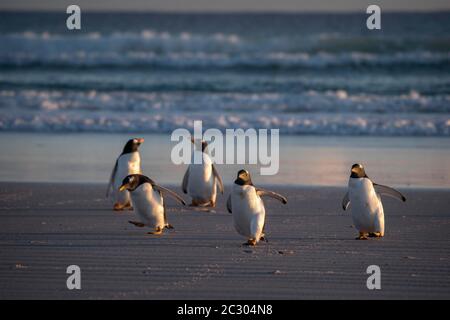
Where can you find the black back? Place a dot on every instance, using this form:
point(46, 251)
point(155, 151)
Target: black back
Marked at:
point(135, 180)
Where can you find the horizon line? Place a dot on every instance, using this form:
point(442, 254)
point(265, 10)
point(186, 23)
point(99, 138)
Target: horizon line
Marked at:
point(216, 12)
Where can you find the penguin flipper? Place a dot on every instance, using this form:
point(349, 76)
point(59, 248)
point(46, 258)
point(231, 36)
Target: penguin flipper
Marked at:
point(164, 209)
point(345, 202)
point(229, 204)
point(388, 191)
point(262, 193)
point(185, 181)
point(169, 192)
point(218, 178)
point(111, 180)
point(137, 224)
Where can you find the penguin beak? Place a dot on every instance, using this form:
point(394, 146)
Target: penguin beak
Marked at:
point(354, 170)
point(140, 140)
point(123, 187)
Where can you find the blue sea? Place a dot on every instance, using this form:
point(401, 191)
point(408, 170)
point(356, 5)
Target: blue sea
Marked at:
point(306, 74)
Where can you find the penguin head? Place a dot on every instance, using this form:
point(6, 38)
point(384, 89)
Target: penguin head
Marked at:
point(197, 145)
point(130, 182)
point(243, 178)
point(358, 171)
point(132, 145)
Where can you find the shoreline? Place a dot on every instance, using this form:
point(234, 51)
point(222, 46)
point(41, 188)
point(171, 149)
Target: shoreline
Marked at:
point(319, 161)
point(311, 253)
point(288, 186)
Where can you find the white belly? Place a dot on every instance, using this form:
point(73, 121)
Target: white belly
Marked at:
point(201, 184)
point(149, 206)
point(248, 211)
point(366, 206)
point(127, 164)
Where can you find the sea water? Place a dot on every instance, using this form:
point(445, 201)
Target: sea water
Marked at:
point(338, 92)
point(306, 74)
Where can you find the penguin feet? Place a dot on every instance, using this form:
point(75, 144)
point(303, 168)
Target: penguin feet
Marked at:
point(201, 203)
point(137, 224)
point(375, 235)
point(263, 238)
point(120, 207)
point(128, 206)
point(362, 236)
point(250, 242)
point(169, 226)
point(157, 231)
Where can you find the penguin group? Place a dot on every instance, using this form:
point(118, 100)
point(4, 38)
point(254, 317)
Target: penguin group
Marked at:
point(131, 190)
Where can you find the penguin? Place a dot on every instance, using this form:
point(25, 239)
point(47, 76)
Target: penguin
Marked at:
point(247, 207)
point(367, 208)
point(128, 162)
point(148, 202)
point(201, 180)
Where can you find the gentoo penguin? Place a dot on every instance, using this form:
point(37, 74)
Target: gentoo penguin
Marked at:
point(247, 207)
point(200, 180)
point(128, 162)
point(365, 197)
point(148, 202)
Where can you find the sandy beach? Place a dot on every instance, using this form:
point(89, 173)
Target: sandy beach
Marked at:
point(311, 251)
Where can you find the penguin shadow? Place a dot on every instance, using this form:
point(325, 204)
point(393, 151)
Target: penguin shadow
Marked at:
point(268, 249)
point(307, 239)
point(190, 208)
point(46, 209)
point(206, 210)
point(119, 212)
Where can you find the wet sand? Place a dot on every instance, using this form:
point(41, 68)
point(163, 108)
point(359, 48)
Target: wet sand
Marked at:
point(311, 252)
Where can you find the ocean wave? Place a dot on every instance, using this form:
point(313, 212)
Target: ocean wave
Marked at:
point(332, 42)
point(204, 60)
point(310, 101)
point(300, 124)
point(308, 113)
point(146, 34)
point(187, 49)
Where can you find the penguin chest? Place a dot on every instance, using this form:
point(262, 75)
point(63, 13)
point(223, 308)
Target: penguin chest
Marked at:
point(365, 204)
point(134, 163)
point(129, 163)
point(148, 205)
point(248, 210)
point(201, 180)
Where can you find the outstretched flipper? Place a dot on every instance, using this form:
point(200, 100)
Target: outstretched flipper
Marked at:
point(388, 191)
point(184, 184)
point(218, 178)
point(111, 180)
point(229, 204)
point(169, 192)
point(345, 202)
point(262, 193)
point(137, 224)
